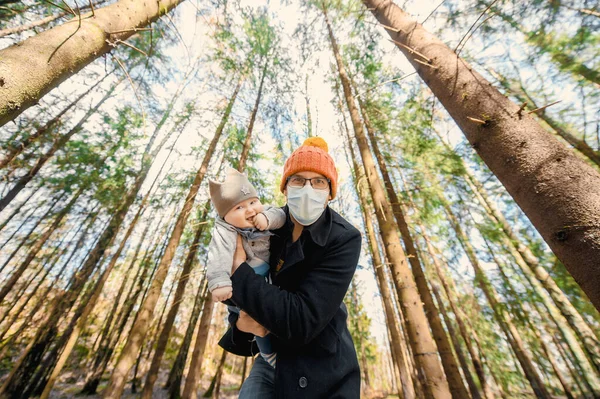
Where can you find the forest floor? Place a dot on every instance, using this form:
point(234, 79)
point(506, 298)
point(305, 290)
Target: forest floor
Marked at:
point(66, 389)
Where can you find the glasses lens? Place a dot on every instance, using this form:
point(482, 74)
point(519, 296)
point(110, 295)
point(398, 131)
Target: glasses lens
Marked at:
point(320, 184)
point(297, 181)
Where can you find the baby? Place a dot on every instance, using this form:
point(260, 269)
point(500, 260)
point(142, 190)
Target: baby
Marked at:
point(240, 212)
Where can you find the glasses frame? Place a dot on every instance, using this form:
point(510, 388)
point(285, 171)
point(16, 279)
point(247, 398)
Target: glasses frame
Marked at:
point(287, 181)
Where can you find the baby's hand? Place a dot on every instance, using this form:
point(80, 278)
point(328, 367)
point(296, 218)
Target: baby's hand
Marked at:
point(260, 221)
point(222, 293)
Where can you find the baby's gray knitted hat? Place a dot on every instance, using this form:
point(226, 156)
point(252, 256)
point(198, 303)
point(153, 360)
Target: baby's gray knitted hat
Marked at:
point(235, 189)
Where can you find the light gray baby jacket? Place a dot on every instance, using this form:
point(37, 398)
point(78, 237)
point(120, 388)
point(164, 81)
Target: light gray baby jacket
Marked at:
point(222, 247)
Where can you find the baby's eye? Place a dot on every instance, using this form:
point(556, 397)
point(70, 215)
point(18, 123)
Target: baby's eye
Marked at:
point(240, 207)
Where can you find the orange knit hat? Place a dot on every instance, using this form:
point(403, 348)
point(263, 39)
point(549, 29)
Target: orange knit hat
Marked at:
point(311, 156)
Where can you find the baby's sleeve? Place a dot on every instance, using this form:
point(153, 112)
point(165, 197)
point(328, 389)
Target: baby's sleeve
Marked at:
point(220, 258)
point(275, 217)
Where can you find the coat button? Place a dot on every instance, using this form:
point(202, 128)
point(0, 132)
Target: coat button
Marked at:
point(252, 243)
point(303, 382)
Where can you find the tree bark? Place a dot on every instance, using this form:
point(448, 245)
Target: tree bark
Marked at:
point(542, 175)
point(176, 374)
point(459, 316)
point(455, 382)
point(33, 228)
point(521, 95)
point(19, 208)
point(47, 333)
point(44, 295)
point(215, 384)
point(88, 306)
point(459, 353)
point(112, 335)
point(37, 246)
point(421, 341)
point(193, 376)
point(32, 68)
point(18, 148)
point(556, 302)
point(163, 339)
point(134, 342)
point(309, 122)
point(246, 148)
point(58, 144)
point(397, 343)
point(43, 21)
point(501, 314)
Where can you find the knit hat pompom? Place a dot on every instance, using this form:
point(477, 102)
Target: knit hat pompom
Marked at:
point(317, 142)
point(311, 156)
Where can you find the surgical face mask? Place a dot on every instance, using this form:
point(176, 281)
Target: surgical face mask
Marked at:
point(306, 204)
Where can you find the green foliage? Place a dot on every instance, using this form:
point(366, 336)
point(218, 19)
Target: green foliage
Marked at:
point(359, 324)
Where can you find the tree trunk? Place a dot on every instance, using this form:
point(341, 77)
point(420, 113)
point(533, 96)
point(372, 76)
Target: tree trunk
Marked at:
point(18, 148)
point(543, 176)
point(244, 369)
point(455, 382)
point(111, 338)
point(521, 95)
point(396, 341)
point(309, 122)
point(459, 353)
point(37, 246)
point(44, 295)
point(18, 209)
point(43, 21)
point(193, 376)
point(246, 148)
point(421, 341)
point(567, 361)
point(32, 68)
point(176, 374)
point(46, 334)
point(501, 314)
point(550, 356)
point(163, 339)
point(215, 384)
point(151, 343)
point(552, 297)
point(134, 342)
point(459, 317)
point(58, 144)
point(88, 306)
point(33, 228)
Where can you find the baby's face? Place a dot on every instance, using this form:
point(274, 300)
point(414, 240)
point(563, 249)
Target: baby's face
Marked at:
point(242, 215)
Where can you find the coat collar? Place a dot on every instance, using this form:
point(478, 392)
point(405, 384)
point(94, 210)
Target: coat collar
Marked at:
point(319, 231)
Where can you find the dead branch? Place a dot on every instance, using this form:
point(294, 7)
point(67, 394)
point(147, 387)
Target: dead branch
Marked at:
point(424, 63)
point(544, 107)
point(476, 120)
point(474, 23)
point(129, 30)
point(412, 50)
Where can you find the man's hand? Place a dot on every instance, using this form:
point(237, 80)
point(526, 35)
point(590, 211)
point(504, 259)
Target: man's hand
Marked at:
point(261, 222)
point(247, 324)
point(239, 256)
point(222, 293)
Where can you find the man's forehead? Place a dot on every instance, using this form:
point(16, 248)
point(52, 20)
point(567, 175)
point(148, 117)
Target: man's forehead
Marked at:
point(308, 174)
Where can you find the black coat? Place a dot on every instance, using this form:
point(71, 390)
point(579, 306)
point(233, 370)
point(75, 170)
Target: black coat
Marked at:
point(303, 309)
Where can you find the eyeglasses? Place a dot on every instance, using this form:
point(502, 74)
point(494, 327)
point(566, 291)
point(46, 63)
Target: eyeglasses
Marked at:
point(318, 183)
